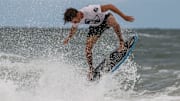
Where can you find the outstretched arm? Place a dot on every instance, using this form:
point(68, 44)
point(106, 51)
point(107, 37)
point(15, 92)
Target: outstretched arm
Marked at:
point(113, 8)
point(71, 33)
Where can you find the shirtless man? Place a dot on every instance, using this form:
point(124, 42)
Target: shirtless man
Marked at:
point(99, 18)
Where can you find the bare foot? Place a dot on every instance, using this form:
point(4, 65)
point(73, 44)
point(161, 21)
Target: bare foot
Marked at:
point(91, 74)
point(121, 47)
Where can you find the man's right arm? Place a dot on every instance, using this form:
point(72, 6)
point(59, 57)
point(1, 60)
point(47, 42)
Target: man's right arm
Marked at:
point(71, 33)
point(113, 8)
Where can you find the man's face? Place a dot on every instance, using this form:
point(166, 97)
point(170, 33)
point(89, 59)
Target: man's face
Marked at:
point(76, 19)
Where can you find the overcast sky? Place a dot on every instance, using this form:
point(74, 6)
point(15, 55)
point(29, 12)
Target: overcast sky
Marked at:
point(49, 13)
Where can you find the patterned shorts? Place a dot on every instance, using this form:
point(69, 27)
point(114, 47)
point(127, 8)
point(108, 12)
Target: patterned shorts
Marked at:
point(98, 30)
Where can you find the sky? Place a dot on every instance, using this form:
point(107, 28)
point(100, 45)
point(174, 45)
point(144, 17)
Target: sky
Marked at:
point(49, 13)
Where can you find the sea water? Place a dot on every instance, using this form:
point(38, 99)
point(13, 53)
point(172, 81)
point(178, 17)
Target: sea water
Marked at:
point(36, 66)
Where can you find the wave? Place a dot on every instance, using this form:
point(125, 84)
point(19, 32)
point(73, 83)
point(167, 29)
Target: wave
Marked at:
point(47, 71)
point(35, 79)
point(53, 79)
point(152, 35)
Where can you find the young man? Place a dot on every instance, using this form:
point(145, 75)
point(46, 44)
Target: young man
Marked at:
point(99, 19)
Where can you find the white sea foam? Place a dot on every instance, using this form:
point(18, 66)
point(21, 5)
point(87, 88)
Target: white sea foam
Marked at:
point(152, 35)
point(59, 81)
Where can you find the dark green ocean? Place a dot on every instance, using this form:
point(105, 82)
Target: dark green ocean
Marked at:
point(36, 66)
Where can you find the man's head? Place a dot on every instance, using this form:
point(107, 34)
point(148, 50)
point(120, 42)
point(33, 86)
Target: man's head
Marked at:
point(72, 15)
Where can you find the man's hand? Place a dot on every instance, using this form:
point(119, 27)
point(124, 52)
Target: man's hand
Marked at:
point(129, 18)
point(66, 41)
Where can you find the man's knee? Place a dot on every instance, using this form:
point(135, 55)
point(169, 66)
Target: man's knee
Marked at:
point(111, 20)
point(115, 25)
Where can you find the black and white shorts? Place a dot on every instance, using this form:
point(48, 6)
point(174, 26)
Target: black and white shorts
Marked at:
point(98, 30)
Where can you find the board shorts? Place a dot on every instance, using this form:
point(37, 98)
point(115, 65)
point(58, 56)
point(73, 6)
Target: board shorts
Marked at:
point(98, 30)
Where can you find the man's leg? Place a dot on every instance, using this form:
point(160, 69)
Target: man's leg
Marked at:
point(91, 40)
point(111, 21)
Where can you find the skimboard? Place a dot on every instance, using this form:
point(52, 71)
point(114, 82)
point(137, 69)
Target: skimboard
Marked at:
point(115, 59)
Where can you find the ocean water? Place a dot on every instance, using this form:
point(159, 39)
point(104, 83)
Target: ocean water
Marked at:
point(36, 66)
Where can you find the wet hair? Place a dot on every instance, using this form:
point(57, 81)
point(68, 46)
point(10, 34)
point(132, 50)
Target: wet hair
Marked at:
point(69, 14)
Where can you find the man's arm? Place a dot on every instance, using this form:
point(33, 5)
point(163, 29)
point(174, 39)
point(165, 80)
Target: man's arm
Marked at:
point(113, 8)
point(71, 33)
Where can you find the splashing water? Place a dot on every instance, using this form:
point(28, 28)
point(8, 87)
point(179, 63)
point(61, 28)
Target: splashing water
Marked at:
point(51, 79)
point(58, 73)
